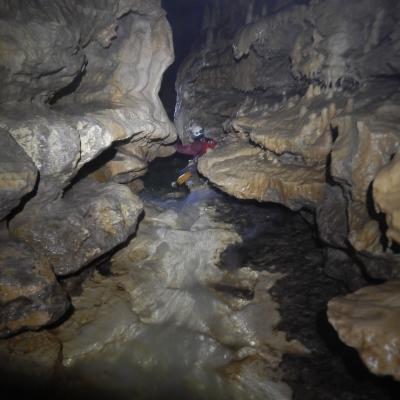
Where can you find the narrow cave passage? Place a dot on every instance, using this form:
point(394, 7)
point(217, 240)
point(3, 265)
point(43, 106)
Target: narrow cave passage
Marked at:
point(258, 258)
point(186, 23)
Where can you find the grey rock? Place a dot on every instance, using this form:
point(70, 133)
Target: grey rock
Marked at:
point(320, 137)
point(17, 173)
point(331, 217)
point(90, 220)
point(30, 295)
point(340, 266)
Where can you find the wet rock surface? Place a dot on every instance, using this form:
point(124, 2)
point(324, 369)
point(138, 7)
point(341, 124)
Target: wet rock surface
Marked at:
point(368, 320)
point(214, 298)
point(17, 174)
point(281, 242)
point(88, 222)
point(30, 295)
point(79, 98)
point(303, 99)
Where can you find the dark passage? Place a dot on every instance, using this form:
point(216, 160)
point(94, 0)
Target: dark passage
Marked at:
point(185, 18)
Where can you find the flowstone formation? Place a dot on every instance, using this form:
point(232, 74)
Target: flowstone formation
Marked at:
point(304, 100)
point(369, 320)
point(169, 319)
point(79, 90)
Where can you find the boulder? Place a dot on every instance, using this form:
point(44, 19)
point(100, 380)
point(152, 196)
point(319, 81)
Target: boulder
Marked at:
point(369, 321)
point(30, 296)
point(313, 89)
point(89, 221)
point(17, 173)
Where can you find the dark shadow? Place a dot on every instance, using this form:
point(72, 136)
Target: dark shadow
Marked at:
point(15, 386)
point(162, 172)
point(24, 200)
point(104, 258)
point(241, 293)
point(92, 166)
point(379, 217)
point(69, 89)
point(395, 247)
point(328, 177)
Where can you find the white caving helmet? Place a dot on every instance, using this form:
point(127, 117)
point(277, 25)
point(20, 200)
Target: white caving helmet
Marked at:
point(197, 131)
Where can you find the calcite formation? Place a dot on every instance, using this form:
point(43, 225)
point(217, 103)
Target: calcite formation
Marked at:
point(79, 91)
point(165, 293)
point(18, 174)
point(90, 220)
point(319, 104)
point(387, 196)
point(369, 320)
point(303, 98)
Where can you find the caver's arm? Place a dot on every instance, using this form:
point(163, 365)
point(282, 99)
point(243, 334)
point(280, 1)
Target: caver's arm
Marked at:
point(190, 149)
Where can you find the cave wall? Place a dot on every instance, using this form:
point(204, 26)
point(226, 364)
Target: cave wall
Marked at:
point(306, 96)
point(79, 90)
point(303, 98)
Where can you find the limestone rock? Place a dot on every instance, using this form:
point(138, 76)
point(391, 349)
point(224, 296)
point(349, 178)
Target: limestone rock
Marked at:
point(17, 174)
point(175, 257)
point(102, 316)
point(369, 321)
point(89, 221)
point(387, 196)
point(313, 88)
point(301, 128)
point(367, 139)
point(331, 217)
point(260, 179)
point(345, 44)
point(51, 143)
point(30, 295)
point(73, 104)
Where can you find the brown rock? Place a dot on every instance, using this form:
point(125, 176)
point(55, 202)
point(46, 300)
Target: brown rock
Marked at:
point(369, 321)
point(30, 295)
point(89, 221)
point(17, 173)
